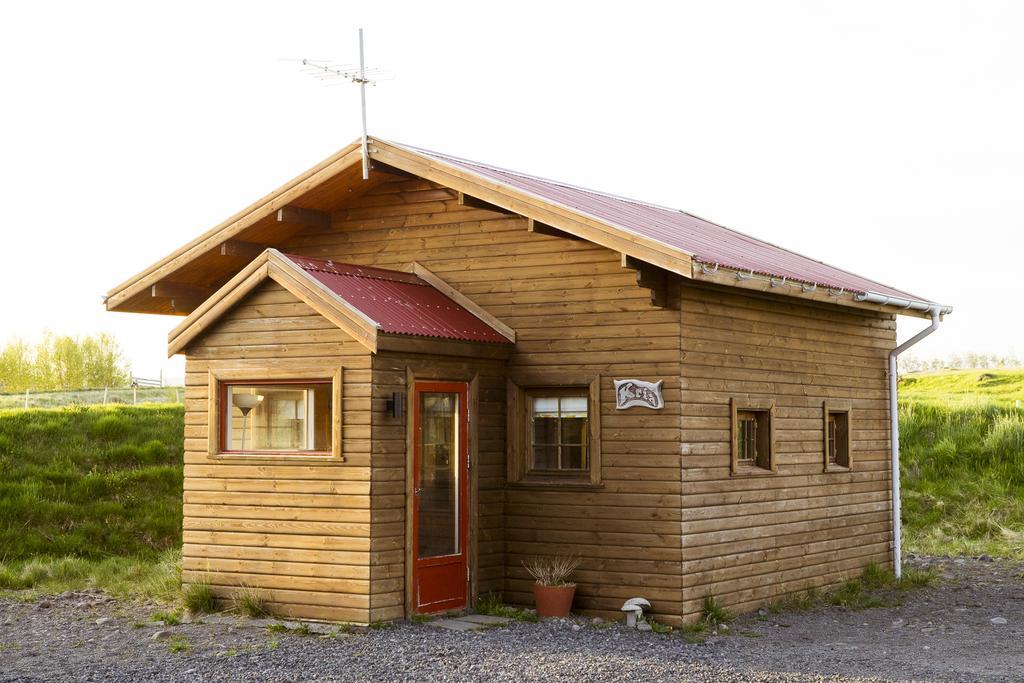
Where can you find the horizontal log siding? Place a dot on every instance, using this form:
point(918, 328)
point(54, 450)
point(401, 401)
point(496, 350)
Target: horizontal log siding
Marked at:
point(301, 531)
point(575, 309)
point(748, 540)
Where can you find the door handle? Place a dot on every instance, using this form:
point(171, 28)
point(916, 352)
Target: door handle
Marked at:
point(417, 491)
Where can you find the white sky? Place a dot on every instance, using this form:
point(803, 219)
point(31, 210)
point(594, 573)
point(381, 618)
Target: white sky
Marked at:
point(885, 137)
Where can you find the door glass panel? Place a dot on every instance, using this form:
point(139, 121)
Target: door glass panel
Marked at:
point(438, 499)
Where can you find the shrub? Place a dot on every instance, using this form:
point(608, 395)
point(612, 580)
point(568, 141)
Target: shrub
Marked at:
point(250, 602)
point(178, 643)
point(918, 578)
point(713, 614)
point(125, 455)
point(199, 598)
point(1006, 437)
point(166, 616)
point(877, 576)
point(110, 427)
point(854, 595)
point(154, 451)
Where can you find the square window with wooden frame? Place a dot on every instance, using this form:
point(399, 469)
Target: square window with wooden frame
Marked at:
point(558, 431)
point(553, 440)
point(837, 442)
point(753, 437)
point(274, 416)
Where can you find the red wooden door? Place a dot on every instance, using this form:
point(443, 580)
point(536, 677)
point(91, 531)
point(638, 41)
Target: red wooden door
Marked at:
point(440, 492)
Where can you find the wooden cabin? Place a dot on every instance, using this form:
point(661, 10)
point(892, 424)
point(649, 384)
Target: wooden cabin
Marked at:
point(398, 388)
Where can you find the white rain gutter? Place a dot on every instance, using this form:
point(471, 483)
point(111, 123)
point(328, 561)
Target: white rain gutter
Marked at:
point(937, 311)
point(911, 304)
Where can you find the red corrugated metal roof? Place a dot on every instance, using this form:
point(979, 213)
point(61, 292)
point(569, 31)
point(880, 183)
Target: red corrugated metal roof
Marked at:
point(399, 303)
point(705, 241)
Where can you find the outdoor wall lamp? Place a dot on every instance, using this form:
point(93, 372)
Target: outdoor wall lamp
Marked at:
point(396, 404)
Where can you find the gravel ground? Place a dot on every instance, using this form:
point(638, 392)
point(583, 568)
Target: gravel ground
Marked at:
point(943, 633)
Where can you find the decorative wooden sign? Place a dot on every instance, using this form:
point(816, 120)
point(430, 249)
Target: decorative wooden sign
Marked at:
point(636, 392)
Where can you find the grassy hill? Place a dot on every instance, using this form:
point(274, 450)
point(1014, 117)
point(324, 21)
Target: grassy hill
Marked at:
point(101, 485)
point(962, 443)
point(958, 387)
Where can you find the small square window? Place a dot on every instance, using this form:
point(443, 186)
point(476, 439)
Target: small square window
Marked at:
point(753, 441)
point(554, 434)
point(559, 434)
point(837, 442)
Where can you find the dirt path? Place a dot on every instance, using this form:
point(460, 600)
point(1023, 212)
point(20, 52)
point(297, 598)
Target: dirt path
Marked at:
point(944, 633)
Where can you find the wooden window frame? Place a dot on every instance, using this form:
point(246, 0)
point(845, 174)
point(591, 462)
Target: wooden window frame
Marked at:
point(742, 405)
point(829, 408)
point(281, 373)
point(519, 439)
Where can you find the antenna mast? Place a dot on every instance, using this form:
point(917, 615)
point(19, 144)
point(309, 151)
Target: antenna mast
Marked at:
point(357, 75)
point(362, 97)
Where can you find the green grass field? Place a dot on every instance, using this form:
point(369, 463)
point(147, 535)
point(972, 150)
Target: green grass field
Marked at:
point(962, 443)
point(101, 485)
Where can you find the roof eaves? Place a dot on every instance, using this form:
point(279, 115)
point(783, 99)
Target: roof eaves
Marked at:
point(231, 226)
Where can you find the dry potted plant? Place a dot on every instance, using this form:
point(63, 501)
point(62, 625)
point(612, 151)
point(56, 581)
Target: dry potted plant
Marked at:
point(552, 590)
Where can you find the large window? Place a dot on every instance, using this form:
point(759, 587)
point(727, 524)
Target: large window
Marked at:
point(277, 417)
point(285, 410)
point(554, 433)
point(753, 437)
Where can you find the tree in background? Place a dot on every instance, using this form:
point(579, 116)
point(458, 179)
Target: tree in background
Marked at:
point(958, 361)
point(62, 362)
point(16, 369)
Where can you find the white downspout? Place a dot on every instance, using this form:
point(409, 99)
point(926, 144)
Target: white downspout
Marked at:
point(894, 431)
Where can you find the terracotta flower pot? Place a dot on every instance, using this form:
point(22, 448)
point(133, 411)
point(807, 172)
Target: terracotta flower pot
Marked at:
point(553, 601)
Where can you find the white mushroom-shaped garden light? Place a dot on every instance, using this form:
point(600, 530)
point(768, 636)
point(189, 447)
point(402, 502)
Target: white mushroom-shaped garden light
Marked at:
point(634, 609)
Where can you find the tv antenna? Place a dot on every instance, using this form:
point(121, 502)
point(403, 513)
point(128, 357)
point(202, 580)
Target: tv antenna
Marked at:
point(333, 74)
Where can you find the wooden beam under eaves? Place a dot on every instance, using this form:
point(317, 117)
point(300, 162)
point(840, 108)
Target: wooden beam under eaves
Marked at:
point(381, 167)
point(243, 250)
point(180, 291)
point(468, 200)
point(306, 218)
point(545, 229)
point(661, 283)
